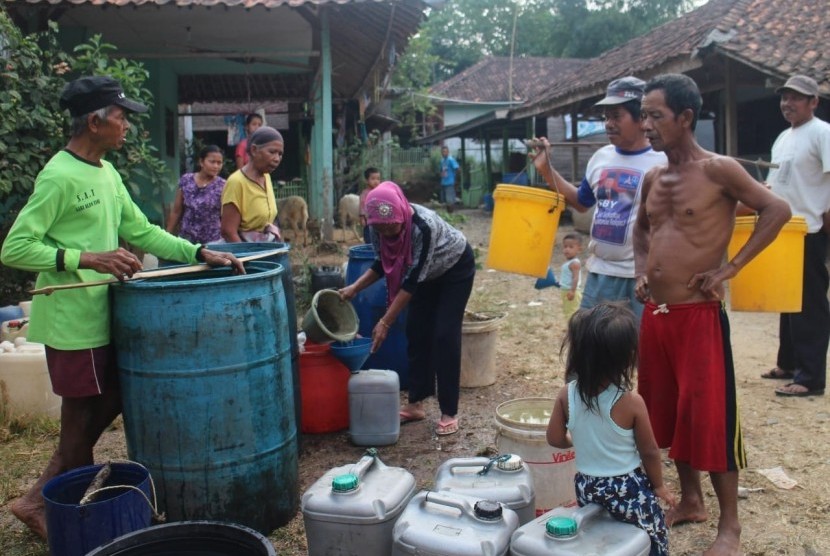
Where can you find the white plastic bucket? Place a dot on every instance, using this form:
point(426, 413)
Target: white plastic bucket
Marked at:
point(521, 427)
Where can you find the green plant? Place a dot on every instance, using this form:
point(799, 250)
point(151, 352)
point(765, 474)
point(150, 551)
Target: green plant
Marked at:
point(138, 162)
point(33, 72)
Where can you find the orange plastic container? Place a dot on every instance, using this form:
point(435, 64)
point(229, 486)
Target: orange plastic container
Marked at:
point(772, 281)
point(324, 390)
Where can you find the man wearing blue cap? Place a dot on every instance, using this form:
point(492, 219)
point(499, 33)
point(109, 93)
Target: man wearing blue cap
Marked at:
point(69, 233)
point(612, 182)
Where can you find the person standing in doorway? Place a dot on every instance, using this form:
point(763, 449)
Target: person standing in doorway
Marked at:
point(241, 155)
point(802, 153)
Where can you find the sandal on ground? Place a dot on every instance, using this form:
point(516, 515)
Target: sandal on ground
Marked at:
point(445, 429)
point(777, 373)
point(800, 392)
point(408, 416)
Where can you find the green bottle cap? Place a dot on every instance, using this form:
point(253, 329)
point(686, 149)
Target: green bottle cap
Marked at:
point(345, 483)
point(561, 527)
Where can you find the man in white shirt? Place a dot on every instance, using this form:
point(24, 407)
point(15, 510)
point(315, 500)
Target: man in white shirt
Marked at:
point(613, 180)
point(802, 153)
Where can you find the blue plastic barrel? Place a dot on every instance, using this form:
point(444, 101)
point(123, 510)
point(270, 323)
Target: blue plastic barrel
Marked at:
point(74, 530)
point(242, 249)
point(205, 367)
point(370, 305)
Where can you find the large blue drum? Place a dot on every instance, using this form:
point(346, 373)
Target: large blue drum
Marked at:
point(370, 305)
point(242, 249)
point(205, 367)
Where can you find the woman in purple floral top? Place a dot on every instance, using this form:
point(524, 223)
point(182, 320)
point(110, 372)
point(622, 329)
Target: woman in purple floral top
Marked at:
point(198, 205)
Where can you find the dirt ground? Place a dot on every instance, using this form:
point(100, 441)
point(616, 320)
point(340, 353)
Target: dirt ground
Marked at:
point(788, 432)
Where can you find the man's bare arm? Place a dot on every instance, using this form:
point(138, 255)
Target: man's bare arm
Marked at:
point(773, 212)
point(641, 240)
point(555, 181)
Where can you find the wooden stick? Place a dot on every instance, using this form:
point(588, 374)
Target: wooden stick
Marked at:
point(160, 273)
point(98, 482)
point(759, 162)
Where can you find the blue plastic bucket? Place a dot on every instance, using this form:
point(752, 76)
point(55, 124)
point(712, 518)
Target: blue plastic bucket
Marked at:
point(74, 530)
point(190, 538)
point(242, 249)
point(370, 305)
point(205, 368)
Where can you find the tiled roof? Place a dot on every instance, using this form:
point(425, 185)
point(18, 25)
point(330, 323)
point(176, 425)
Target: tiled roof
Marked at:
point(641, 56)
point(777, 38)
point(488, 80)
point(780, 38)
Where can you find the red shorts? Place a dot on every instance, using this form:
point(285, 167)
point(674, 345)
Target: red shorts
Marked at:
point(687, 379)
point(79, 373)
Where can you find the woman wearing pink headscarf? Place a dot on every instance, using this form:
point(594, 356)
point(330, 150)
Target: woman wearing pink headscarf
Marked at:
point(430, 267)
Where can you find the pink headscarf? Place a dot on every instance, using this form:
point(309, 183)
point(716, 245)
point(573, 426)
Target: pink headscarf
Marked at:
point(386, 204)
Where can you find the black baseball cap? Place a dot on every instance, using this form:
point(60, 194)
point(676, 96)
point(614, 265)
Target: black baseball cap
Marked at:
point(88, 94)
point(622, 90)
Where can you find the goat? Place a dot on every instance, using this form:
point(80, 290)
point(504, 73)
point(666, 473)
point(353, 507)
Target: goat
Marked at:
point(349, 210)
point(293, 213)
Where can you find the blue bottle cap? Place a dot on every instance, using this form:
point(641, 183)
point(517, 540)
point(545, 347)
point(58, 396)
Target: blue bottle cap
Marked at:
point(561, 527)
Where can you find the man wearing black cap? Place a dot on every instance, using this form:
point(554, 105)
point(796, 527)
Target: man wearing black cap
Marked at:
point(68, 232)
point(802, 153)
point(612, 182)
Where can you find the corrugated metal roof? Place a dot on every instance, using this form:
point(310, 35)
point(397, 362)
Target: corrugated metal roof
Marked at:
point(365, 38)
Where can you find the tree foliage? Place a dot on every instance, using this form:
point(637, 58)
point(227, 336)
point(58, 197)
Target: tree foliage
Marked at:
point(33, 72)
point(464, 31)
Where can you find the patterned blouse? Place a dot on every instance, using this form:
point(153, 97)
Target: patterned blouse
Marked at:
point(436, 247)
point(201, 210)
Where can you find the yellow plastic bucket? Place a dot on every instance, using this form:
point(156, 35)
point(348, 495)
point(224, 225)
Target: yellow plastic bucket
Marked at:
point(772, 281)
point(525, 220)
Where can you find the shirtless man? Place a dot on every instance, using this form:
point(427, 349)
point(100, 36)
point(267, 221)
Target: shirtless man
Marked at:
point(686, 374)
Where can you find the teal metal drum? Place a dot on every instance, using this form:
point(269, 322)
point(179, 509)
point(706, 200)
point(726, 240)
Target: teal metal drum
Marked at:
point(205, 367)
point(245, 248)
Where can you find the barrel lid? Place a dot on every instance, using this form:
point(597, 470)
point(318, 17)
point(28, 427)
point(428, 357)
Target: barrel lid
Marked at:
point(513, 463)
point(487, 509)
point(345, 483)
point(561, 527)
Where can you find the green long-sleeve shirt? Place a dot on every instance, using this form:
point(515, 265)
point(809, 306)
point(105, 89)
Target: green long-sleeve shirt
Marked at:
point(80, 207)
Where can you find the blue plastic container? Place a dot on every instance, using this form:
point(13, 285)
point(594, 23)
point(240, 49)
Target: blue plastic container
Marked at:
point(354, 353)
point(10, 312)
point(74, 530)
point(242, 249)
point(205, 369)
point(370, 305)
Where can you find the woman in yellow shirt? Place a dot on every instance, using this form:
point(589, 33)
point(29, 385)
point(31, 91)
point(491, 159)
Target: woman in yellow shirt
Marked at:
point(249, 208)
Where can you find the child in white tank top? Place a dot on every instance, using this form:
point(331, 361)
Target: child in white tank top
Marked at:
point(617, 458)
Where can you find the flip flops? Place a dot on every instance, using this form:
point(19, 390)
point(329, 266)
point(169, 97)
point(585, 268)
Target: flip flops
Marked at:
point(777, 373)
point(786, 391)
point(408, 416)
point(448, 428)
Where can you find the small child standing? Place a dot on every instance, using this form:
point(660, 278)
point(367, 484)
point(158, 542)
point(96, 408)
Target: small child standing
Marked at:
point(570, 275)
point(372, 177)
point(617, 458)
